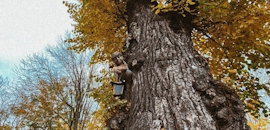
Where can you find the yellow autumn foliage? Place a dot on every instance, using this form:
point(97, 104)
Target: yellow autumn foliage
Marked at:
point(100, 25)
point(258, 124)
point(237, 34)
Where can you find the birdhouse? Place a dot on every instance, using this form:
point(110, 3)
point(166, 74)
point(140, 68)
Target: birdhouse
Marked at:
point(118, 88)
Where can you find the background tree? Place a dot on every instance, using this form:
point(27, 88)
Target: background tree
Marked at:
point(6, 122)
point(54, 88)
point(220, 32)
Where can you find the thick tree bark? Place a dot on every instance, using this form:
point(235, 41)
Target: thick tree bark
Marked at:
point(172, 86)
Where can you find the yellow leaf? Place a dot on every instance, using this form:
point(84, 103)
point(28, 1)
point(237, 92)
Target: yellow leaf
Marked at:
point(219, 72)
point(255, 102)
point(256, 18)
point(232, 71)
point(187, 9)
point(157, 11)
point(251, 106)
point(202, 40)
point(190, 2)
point(250, 21)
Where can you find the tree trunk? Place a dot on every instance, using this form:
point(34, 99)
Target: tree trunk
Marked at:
point(172, 86)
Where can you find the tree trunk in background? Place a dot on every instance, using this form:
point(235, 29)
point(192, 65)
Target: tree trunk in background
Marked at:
point(172, 86)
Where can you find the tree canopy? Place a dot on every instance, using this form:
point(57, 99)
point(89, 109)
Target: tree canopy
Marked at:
point(232, 35)
point(235, 37)
point(100, 25)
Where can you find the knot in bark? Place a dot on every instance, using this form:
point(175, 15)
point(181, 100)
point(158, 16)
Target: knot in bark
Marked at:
point(200, 88)
point(218, 100)
point(211, 92)
point(114, 125)
point(134, 62)
point(223, 114)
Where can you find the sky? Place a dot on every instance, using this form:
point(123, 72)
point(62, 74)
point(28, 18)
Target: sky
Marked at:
point(27, 27)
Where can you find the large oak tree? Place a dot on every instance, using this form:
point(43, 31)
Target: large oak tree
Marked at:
point(172, 85)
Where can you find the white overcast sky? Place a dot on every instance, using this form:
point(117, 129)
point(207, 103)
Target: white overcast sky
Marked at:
point(27, 26)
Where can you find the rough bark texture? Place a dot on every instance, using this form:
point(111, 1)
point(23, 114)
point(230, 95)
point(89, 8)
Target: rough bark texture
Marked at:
point(172, 88)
